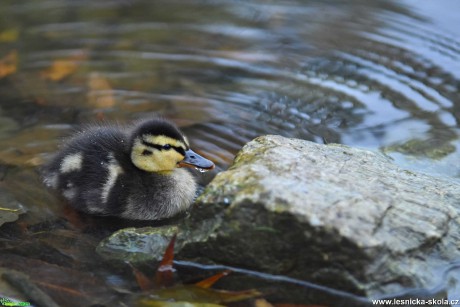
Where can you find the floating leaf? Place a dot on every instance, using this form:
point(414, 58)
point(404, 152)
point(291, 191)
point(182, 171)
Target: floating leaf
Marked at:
point(9, 35)
point(62, 68)
point(100, 94)
point(59, 70)
point(8, 64)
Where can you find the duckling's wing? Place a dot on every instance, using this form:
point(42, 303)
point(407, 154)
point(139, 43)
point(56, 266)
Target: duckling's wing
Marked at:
point(87, 166)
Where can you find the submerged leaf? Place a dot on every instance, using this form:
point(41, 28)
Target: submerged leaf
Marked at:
point(8, 64)
point(143, 281)
point(198, 294)
point(195, 294)
point(208, 282)
point(164, 276)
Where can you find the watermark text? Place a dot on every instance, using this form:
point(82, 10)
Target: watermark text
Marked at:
point(415, 302)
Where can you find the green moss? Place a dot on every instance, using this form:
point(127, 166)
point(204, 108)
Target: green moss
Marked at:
point(267, 229)
point(433, 149)
point(137, 244)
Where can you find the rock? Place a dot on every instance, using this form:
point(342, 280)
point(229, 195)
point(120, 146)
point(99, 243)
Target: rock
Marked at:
point(341, 217)
point(10, 208)
point(136, 244)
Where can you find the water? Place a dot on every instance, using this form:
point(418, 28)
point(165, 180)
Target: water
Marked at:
point(382, 75)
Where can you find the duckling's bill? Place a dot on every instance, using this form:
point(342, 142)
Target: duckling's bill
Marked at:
point(192, 159)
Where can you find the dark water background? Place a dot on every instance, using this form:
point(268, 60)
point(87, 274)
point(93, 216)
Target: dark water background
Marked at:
point(382, 75)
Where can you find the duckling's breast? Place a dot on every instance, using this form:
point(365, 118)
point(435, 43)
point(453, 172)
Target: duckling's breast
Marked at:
point(160, 196)
point(184, 189)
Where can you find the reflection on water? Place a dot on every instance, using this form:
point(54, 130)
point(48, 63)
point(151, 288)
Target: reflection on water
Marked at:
point(383, 75)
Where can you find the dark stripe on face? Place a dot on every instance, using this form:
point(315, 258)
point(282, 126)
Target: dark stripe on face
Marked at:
point(160, 147)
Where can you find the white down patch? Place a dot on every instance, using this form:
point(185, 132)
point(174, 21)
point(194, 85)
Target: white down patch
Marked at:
point(114, 171)
point(72, 162)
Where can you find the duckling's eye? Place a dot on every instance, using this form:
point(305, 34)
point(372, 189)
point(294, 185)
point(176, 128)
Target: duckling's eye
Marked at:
point(146, 152)
point(166, 147)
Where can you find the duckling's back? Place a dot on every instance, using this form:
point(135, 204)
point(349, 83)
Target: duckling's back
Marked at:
point(87, 168)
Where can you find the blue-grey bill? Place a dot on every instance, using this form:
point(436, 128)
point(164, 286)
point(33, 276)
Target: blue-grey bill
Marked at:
point(192, 159)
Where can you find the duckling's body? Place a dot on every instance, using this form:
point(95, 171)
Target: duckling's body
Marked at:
point(126, 172)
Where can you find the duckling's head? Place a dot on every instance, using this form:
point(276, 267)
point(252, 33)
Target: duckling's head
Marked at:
point(158, 146)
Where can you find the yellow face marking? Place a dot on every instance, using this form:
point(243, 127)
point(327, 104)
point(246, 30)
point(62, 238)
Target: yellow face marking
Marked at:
point(163, 140)
point(160, 160)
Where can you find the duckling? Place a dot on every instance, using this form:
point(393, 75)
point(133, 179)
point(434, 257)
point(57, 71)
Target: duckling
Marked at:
point(129, 172)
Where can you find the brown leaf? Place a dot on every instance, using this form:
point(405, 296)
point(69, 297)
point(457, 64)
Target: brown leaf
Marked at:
point(164, 276)
point(8, 64)
point(196, 293)
point(208, 282)
point(143, 281)
point(62, 68)
point(100, 94)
